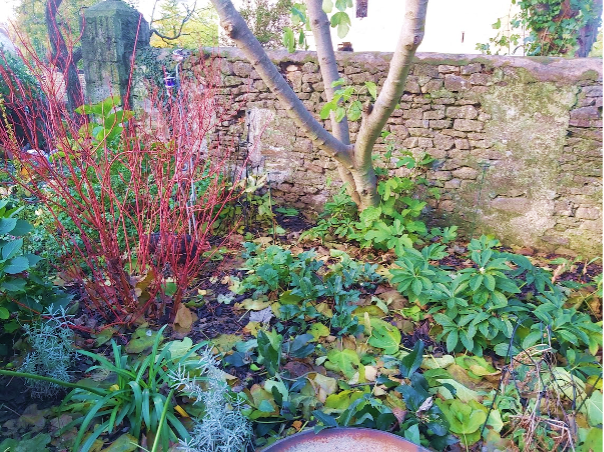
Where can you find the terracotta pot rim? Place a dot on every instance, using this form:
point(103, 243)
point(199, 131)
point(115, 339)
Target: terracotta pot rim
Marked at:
point(307, 436)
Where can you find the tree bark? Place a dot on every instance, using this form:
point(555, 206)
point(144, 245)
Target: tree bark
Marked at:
point(589, 33)
point(63, 56)
point(354, 161)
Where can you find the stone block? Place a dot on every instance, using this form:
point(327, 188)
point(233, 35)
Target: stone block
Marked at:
point(447, 69)
point(471, 68)
point(456, 83)
point(242, 69)
point(453, 184)
point(420, 132)
point(432, 85)
point(434, 114)
point(425, 142)
point(479, 79)
point(411, 123)
point(513, 205)
point(466, 173)
point(588, 213)
point(412, 86)
point(411, 142)
point(468, 125)
point(426, 70)
point(585, 113)
point(555, 239)
point(414, 113)
point(464, 112)
point(592, 91)
point(400, 131)
point(440, 123)
point(441, 175)
point(462, 144)
point(443, 142)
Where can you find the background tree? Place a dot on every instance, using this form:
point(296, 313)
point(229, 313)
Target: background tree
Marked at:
point(548, 27)
point(267, 19)
point(181, 24)
point(354, 160)
point(31, 23)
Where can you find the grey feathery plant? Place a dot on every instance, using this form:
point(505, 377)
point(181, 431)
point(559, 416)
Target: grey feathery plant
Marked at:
point(223, 428)
point(52, 352)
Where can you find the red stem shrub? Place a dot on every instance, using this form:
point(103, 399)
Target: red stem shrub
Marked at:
point(135, 200)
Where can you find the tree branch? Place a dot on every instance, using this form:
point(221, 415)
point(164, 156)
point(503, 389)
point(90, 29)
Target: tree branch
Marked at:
point(411, 36)
point(185, 19)
point(326, 56)
point(238, 31)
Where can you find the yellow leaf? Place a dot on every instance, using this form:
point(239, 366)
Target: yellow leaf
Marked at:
point(181, 411)
point(255, 305)
point(323, 386)
point(323, 308)
point(184, 317)
point(252, 328)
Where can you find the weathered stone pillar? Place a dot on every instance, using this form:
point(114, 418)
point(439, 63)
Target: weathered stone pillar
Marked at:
point(112, 32)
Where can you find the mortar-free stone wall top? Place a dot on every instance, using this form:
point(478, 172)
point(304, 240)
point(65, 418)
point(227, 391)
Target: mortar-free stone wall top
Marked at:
point(517, 141)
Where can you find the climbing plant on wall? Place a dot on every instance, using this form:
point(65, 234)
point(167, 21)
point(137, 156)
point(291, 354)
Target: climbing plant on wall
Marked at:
point(547, 27)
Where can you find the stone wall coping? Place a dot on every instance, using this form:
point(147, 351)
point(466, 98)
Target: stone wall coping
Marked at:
point(542, 68)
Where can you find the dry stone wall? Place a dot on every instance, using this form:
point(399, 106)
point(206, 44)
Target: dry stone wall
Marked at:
point(517, 142)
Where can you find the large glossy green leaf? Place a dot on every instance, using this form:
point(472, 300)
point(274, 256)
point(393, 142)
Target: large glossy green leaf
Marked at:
point(384, 336)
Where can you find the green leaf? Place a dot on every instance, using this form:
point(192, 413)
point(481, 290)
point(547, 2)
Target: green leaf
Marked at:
point(17, 265)
point(7, 225)
point(412, 362)
point(594, 409)
point(11, 248)
point(21, 228)
point(266, 407)
point(384, 336)
point(372, 89)
point(4, 313)
point(14, 285)
point(341, 20)
point(325, 419)
point(593, 441)
point(326, 110)
point(340, 114)
point(345, 361)
point(341, 5)
point(142, 339)
point(318, 330)
point(289, 41)
point(327, 6)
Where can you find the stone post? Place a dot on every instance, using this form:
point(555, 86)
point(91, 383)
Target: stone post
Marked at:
point(112, 31)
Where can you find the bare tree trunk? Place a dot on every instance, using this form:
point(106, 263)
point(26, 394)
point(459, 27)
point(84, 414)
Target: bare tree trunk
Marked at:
point(63, 56)
point(354, 161)
point(589, 33)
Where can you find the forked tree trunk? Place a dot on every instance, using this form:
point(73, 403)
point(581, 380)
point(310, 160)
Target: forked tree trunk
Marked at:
point(354, 161)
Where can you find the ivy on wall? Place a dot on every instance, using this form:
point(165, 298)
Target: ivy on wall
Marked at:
point(547, 27)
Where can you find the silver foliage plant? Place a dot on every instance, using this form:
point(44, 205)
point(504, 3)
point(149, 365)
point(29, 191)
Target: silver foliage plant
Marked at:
point(52, 352)
point(223, 428)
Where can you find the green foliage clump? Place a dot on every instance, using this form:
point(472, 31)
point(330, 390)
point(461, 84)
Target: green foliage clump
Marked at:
point(302, 280)
point(23, 293)
point(138, 396)
point(267, 20)
point(555, 28)
point(500, 296)
point(394, 223)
